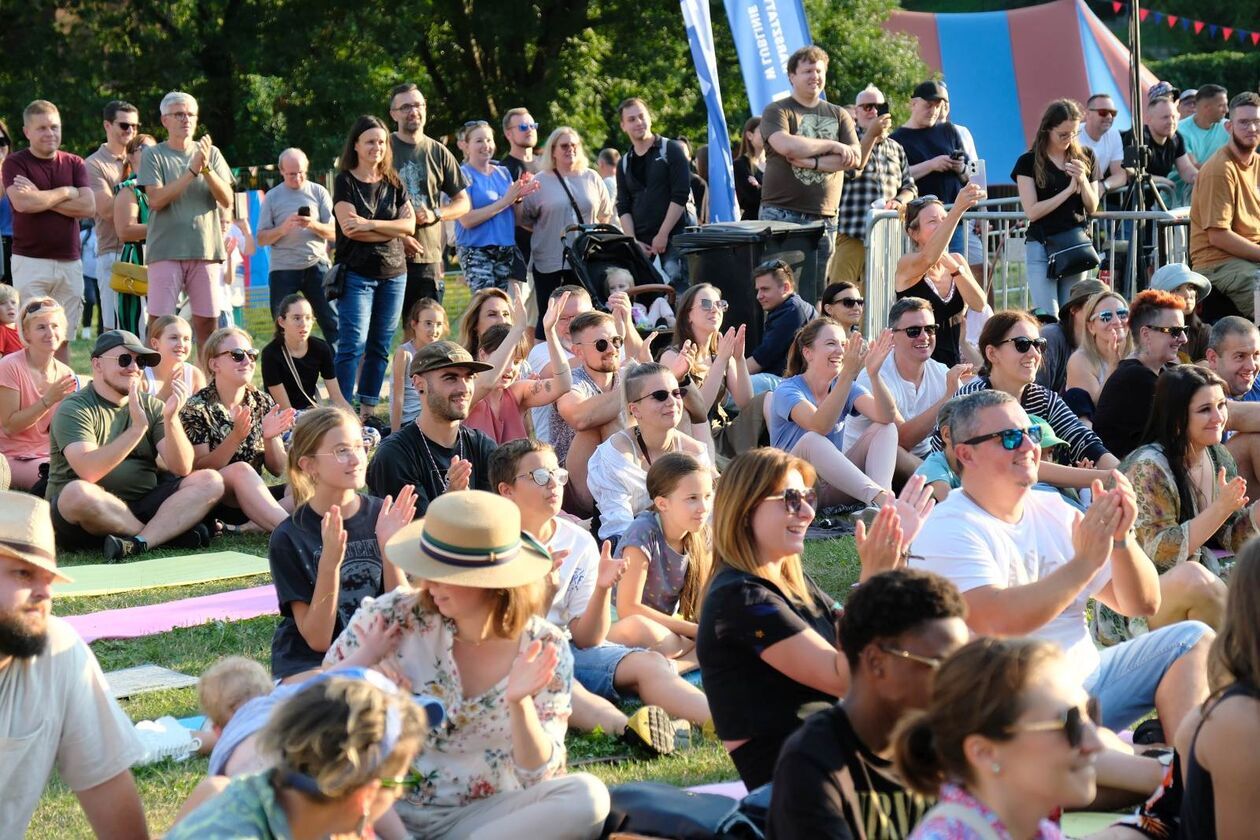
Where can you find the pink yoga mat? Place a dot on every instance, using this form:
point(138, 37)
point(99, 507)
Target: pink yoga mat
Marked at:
point(190, 612)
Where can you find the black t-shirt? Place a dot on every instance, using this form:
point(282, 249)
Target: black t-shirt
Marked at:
point(647, 184)
point(748, 195)
point(404, 458)
point(818, 764)
point(382, 200)
point(1070, 214)
point(516, 167)
point(1124, 406)
point(924, 143)
point(743, 615)
point(294, 551)
point(1163, 156)
point(318, 362)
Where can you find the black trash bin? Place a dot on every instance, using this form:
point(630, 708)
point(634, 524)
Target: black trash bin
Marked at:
point(725, 255)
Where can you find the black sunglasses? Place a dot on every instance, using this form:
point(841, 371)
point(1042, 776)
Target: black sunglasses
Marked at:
point(1175, 332)
point(1023, 343)
point(239, 355)
point(850, 303)
point(661, 395)
point(924, 199)
point(793, 499)
point(771, 265)
point(4, 142)
point(475, 123)
point(1071, 722)
point(37, 305)
point(125, 360)
point(126, 126)
point(603, 344)
point(918, 330)
point(1011, 438)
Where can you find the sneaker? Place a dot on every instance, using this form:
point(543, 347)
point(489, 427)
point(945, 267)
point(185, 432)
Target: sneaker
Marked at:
point(867, 516)
point(121, 549)
point(651, 729)
point(197, 536)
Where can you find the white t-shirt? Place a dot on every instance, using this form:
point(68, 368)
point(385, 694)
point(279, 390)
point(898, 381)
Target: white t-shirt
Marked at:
point(577, 572)
point(912, 400)
point(963, 543)
point(56, 709)
point(1106, 148)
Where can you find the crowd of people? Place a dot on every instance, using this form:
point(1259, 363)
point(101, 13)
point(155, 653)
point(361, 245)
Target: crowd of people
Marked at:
point(1052, 506)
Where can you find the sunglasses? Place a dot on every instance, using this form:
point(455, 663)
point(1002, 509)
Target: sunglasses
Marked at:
point(850, 303)
point(1023, 343)
point(1107, 315)
point(866, 106)
point(918, 330)
point(475, 123)
point(793, 499)
point(542, 476)
point(4, 142)
point(239, 355)
point(125, 361)
point(1071, 722)
point(1106, 112)
point(1175, 332)
point(661, 395)
point(710, 305)
point(35, 306)
point(524, 127)
point(770, 265)
point(126, 126)
point(924, 199)
point(930, 661)
point(603, 344)
point(1011, 438)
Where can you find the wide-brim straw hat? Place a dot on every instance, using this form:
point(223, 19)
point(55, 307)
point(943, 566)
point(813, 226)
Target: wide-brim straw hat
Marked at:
point(470, 538)
point(26, 532)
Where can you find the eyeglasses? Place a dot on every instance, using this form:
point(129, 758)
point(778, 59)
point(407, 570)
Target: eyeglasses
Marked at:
point(660, 395)
point(1071, 722)
point(918, 330)
point(710, 305)
point(1023, 343)
point(125, 360)
point(1011, 438)
point(1106, 112)
point(182, 115)
point(1107, 315)
point(1248, 125)
point(867, 106)
point(526, 127)
point(603, 344)
point(850, 303)
point(1175, 332)
point(922, 200)
point(343, 454)
point(793, 499)
point(125, 126)
point(542, 476)
point(930, 661)
point(238, 355)
point(409, 106)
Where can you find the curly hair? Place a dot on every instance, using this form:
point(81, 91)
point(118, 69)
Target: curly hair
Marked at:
point(893, 603)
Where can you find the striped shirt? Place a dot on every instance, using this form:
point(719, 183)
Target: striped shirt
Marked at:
point(886, 175)
point(1049, 406)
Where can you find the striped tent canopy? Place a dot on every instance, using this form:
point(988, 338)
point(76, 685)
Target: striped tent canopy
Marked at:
point(1003, 68)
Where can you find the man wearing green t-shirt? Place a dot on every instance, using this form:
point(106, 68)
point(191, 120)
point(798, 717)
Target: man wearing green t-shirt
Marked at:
point(121, 467)
point(1204, 133)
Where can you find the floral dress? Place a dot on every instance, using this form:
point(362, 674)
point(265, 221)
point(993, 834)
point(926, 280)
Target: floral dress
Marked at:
point(207, 420)
point(469, 756)
point(957, 815)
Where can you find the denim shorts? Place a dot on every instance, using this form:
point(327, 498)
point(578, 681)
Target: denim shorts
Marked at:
point(1128, 674)
point(595, 667)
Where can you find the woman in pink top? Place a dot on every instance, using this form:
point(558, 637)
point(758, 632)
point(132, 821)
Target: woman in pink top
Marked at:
point(499, 399)
point(31, 384)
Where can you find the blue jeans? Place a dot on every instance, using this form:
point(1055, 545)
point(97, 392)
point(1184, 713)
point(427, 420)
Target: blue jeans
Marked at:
point(1129, 673)
point(283, 282)
point(369, 311)
point(1048, 293)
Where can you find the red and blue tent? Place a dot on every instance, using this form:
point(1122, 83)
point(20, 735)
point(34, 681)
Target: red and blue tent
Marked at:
point(1003, 68)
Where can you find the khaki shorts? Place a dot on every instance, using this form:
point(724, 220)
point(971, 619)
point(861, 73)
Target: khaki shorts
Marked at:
point(61, 280)
point(1237, 279)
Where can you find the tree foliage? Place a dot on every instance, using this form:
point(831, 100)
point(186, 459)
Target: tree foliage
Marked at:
point(275, 73)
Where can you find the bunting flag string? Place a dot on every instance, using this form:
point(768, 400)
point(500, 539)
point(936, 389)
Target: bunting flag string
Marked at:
point(1214, 30)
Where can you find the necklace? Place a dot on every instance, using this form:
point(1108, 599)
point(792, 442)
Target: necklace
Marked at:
point(441, 474)
point(371, 208)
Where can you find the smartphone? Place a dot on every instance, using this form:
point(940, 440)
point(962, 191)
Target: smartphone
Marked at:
point(881, 108)
point(979, 175)
point(957, 154)
point(304, 211)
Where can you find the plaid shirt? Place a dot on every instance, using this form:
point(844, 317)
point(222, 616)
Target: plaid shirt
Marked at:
point(887, 175)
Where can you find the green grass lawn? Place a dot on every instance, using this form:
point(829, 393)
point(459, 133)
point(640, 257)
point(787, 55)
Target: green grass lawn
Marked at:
point(164, 786)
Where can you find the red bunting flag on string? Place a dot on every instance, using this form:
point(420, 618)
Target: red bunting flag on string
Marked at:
point(1255, 38)
point(1172, 21)
point(1142, 13)
point(1198, 26)
point(1228, 31)
point(1117, 7)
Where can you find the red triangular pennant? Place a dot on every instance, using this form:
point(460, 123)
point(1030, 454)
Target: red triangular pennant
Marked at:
point(1228, 32)
point(1255, 38)
point(1172, 21)
point(1116, 7)
point(1198, 26)
point(1142, 13)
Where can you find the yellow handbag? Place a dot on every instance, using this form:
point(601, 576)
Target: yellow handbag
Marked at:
point(129, 279)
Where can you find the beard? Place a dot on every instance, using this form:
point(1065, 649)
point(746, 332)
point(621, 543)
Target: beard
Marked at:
point(18, 640)
point(444, 409)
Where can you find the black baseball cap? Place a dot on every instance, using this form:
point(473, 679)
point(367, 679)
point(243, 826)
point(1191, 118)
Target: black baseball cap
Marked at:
point(931, 91)
point(128, 341)
point(444, 354)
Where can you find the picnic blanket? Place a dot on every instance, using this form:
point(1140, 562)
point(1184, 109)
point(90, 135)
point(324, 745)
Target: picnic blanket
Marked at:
point(133, 622)
point(110, 579)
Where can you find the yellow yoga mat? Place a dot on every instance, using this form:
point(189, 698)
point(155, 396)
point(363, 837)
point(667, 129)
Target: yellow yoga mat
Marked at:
point(1085, 823)
point(110, 579)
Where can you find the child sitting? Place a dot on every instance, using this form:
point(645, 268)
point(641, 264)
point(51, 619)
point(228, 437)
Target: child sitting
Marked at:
point(294, 361)
point(171, 336)
point(645, 317)
point(10, 341)
point(426, 323)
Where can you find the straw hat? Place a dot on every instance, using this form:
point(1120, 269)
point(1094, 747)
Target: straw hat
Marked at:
point(470, 538)
point(26, 532)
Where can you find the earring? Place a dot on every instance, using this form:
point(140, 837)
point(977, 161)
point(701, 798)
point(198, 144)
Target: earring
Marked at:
point(996, 768)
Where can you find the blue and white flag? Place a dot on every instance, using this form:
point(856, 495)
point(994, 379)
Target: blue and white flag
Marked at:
point(766, 33)
point(721, 176)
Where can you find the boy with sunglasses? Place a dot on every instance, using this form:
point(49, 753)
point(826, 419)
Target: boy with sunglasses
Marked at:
point(1028, 563)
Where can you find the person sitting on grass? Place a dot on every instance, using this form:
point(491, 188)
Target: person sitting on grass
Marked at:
point(425, 324)
point(341, 748)
point(105, 485)
point(55, 707)
point(581, 602)
point(295, 361)
point(668, 554)
point(834, 779)
point(224, 689)
point(32, 383)
point(172, 337)
point(472, 637)
point(327, 557)
point(236, 429)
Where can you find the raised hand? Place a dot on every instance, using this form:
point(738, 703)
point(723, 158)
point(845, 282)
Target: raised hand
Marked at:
point(913, 504)
point(877, 352)
point(971, 195)
point(554, 308)
point(740, 341)
point(59, 389)
point(277, 421)
point(531, 671)
point(955, 376)
point(333, 533)
point(726, 343)
point(1231, 495)
point(459, 474)
point(1126, 498)
point(395, 514)
point(135, 406)
point(880, 550)
point(520, 312)
point(610, 568)
point(242, 422)
point(854, 355)
point(683, 360)
point(179, 396)
point(1092, 533)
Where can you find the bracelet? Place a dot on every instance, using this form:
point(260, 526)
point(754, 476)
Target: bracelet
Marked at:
point(193, 172)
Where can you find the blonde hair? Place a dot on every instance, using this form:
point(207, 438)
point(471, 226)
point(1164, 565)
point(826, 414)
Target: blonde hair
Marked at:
point(215, 341)
point(580, 161)
point(663, 477)
point(333, 731)
point(308, 435)
point(510, 610)
point(1090, 347)
point(747, 481)
point(8, 294)
point(159, 327)
point(37, 307)
point(229, 684)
